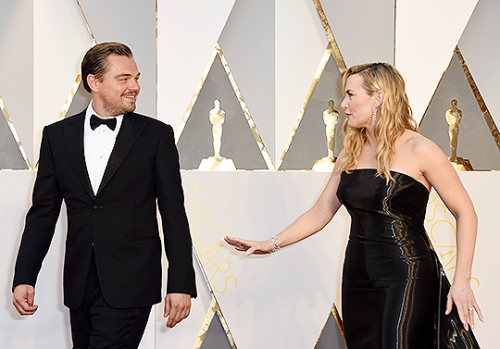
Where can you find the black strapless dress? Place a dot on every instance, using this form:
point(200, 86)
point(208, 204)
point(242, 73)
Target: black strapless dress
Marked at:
point(390, 278)
point(394, 288)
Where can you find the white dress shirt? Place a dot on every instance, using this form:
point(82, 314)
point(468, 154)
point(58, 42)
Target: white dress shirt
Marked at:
point(97, 147)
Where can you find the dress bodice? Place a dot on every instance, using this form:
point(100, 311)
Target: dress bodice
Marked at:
point(385, 209)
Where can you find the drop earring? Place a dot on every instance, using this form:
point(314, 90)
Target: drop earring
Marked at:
point(374, 115)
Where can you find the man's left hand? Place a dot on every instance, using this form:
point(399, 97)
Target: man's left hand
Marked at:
point(177, 308)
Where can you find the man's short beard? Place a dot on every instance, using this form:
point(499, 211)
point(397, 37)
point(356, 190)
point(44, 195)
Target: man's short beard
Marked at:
point(114, 111)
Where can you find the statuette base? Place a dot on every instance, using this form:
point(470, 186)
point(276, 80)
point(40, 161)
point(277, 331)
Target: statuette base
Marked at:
point(218, 163)
point(324, 165)
point(462, 164)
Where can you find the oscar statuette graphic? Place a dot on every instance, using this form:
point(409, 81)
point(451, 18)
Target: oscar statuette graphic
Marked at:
point(454, 118)
point(217, 162)
point(330, 118)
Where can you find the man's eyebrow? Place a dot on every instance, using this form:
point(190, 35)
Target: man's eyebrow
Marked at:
point(126, 75)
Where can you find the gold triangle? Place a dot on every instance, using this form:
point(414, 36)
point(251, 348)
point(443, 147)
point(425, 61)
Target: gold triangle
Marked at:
point(333, 50)
point(71, 95)
point(78, 80)
point(14, 132)
point(482, 105)
point(333, 43)
point(218, 51)
point(329, 51)
point(337, 318)
point(87, 24)
point(475, 91)
point(212, 310)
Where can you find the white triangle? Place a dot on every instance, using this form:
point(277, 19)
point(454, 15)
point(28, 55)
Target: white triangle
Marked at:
point(300, 43)
point(57, 24)
point(427, 32)
point(188, 31)
point(355, 34)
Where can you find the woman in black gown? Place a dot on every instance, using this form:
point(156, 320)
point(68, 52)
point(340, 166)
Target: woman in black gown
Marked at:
point(390, 283)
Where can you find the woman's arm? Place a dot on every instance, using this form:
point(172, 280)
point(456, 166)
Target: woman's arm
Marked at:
point(438, 170)
point(306, 225)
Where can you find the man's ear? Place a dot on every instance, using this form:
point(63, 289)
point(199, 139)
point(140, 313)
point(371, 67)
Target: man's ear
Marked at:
point(379, 98)
point(92, 82)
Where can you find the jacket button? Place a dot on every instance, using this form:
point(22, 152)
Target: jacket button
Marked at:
point(96, 207)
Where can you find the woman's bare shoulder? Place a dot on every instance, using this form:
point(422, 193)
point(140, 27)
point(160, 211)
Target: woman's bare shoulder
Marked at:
point(427, 154)
point(419, 144)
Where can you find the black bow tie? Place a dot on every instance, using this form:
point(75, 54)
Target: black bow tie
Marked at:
point(95, 122)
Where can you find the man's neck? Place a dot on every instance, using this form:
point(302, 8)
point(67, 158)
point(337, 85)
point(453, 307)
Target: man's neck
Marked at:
point(99, 110)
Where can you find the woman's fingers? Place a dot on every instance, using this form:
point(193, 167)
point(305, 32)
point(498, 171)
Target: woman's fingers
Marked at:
point(478, 311)
point(465, 302)
point(247, 246)
point(239, 244)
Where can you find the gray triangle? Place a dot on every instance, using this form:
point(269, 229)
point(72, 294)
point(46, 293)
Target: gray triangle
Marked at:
point(238, 142)
point(475, 141)
point(251, 51)
point(10, 154)
point(140, 37)
point(216, 337)
point(309, 143)
point(331, 337)
point(358, 46)
point(80, 101)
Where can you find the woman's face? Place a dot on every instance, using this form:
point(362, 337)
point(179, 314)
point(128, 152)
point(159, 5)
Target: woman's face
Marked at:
point(357, 103)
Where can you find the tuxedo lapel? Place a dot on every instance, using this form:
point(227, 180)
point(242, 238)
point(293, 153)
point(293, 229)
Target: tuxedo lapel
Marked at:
point(73, 134)
point(130, 130)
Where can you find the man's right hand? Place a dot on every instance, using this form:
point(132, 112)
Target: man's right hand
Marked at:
point(23, 299)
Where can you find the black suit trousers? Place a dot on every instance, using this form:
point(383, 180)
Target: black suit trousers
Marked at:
point(97, 325)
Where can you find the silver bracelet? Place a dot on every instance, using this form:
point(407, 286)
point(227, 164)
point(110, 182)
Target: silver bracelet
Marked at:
point(276, 247)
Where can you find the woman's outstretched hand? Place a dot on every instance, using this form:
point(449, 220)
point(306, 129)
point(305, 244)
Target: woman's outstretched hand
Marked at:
point(250, 247)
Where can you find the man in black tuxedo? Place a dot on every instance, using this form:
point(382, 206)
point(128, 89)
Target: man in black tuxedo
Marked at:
point(113, 168)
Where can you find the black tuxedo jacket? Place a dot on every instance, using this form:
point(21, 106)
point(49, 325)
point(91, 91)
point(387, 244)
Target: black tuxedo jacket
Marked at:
point(119, 223)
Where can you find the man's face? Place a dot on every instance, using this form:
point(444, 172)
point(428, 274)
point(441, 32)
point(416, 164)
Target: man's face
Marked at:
point(118, 89)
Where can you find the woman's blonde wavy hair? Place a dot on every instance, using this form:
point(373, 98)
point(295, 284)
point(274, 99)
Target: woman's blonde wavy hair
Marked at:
point(394, 116)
